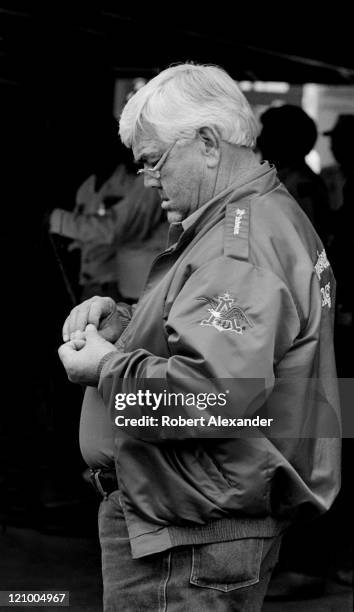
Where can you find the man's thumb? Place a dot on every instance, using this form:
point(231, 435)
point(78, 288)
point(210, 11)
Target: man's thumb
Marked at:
point(91, 329)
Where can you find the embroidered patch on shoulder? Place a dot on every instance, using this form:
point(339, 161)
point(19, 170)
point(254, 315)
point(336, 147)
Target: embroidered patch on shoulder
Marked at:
point(225, 315)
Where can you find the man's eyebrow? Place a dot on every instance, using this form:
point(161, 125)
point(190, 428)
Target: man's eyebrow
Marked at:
point(146, 156)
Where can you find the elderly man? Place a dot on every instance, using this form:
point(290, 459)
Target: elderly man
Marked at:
point(244, 292)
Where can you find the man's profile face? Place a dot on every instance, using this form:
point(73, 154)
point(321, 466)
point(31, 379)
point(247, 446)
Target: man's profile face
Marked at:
point(183, 185)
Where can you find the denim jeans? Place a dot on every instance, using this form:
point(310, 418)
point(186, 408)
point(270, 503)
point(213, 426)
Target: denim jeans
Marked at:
point(217, 577)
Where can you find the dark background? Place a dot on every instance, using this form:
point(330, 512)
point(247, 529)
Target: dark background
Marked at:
point(58, 66)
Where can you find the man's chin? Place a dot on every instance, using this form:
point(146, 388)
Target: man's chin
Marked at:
point(174, 216)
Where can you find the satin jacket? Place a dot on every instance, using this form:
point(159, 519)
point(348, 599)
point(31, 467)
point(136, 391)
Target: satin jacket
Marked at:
point(244, 293)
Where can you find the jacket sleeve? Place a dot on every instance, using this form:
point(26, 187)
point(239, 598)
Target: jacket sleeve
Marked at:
point(228, 326)
point(125, 312)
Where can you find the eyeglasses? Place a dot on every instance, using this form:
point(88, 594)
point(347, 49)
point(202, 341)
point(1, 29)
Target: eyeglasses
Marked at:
point(155, 172)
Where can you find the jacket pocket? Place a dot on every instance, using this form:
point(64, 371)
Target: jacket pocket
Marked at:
point(227, 566)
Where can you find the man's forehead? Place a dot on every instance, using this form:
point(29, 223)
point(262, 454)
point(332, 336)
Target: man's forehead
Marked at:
point(146, 142)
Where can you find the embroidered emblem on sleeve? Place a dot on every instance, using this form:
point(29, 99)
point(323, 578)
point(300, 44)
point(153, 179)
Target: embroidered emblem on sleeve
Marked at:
point(238, 218)
point(326, 295)
point(321, 264)
point(225, 315)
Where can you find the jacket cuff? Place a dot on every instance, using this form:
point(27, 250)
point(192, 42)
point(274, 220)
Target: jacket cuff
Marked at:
point(104, 359)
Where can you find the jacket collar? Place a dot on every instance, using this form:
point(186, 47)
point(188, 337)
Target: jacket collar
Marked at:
point(257, 181)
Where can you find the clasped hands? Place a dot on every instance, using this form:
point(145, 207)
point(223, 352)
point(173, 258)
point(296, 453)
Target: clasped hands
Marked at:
point(89, 333)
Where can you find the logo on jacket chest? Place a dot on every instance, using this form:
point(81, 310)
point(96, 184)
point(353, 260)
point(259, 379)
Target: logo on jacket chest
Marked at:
point(225, 315)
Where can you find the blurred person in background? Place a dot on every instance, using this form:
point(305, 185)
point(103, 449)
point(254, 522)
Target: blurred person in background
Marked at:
point(340, 180)
point(287, 135)
point(119, 228)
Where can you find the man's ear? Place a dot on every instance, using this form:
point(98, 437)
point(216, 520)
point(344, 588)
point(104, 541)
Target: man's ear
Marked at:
point(211, 145)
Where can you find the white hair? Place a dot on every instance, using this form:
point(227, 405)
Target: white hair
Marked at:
point(184, 98)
